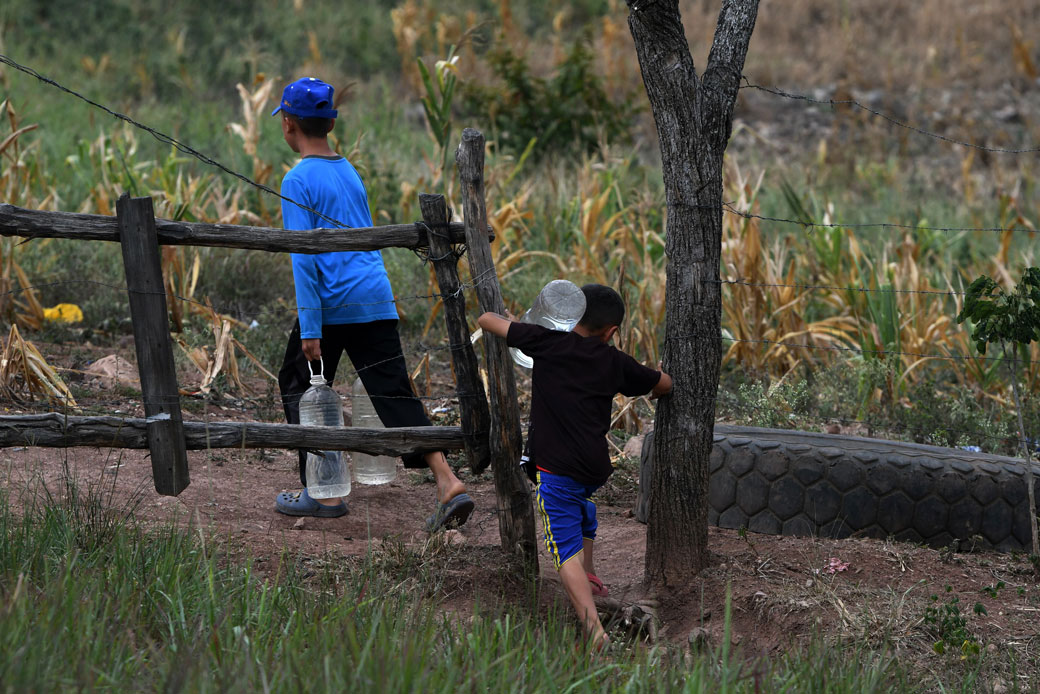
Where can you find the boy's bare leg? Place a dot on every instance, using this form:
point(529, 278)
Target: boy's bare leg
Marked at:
point(586, 551)
point(448, 485)
point(576, 583)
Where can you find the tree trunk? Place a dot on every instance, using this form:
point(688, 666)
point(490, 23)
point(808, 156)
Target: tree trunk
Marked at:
point(694, 118)
point(1030, 490)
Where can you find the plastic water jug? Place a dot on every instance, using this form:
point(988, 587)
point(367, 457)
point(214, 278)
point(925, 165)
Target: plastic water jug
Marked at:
point(328, 475)
point(559, 306)
point(369, 469)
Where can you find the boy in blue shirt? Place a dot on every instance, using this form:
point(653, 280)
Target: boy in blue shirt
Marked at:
point(344, 302)
point(576, 375)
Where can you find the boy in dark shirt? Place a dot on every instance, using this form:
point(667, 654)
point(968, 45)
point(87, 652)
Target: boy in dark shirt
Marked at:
point(576, 375)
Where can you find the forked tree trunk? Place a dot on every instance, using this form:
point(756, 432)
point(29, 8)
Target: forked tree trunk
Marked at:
point(694, 118)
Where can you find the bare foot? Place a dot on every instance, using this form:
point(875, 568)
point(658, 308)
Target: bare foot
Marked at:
point(448, 485)
point(449, 491)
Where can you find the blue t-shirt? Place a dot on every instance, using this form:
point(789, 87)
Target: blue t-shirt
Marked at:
point(342, 286)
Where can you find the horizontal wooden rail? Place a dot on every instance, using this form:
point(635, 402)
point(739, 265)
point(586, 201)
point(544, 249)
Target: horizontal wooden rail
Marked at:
point(38, 224)
point(54, 430)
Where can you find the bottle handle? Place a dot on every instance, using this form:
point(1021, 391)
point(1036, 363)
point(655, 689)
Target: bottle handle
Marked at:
point(321, 366)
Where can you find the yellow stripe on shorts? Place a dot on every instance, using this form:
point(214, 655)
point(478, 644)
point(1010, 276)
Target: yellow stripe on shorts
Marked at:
point(550, 543)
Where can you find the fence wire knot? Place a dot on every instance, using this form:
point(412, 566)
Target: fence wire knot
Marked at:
point(441, 230)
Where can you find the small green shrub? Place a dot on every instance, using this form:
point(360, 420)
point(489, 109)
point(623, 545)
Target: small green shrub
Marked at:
point(569, 113)
point(781, 405)
point(945, 623)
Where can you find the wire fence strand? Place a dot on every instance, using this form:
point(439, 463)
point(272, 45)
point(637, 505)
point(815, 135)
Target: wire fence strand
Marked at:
point(169, 140)
point(820, 287)
point(728, 208)
point(857, 350)
point(776, 91)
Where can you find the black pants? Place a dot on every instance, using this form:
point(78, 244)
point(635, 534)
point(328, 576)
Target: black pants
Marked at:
point(375, 351)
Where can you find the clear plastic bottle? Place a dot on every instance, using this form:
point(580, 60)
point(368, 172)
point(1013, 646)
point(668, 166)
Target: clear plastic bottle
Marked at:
point(328, 475)
point(559, 306)
point(369, 469)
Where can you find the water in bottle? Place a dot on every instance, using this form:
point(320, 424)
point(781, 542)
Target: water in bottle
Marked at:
point(328, 476)
point(369, 469)
point(559, 306)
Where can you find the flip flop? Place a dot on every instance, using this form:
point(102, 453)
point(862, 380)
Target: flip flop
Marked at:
point(301, 504)
point(451, 514)
point(598, 589)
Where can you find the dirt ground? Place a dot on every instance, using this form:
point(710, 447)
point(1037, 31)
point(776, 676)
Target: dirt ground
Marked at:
point(784, 590)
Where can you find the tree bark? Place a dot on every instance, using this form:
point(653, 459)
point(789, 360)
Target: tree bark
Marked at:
point(694, 119)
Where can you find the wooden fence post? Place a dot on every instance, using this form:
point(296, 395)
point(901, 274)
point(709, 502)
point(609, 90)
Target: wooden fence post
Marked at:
point(515, 511)
point(475, 416)
point(149, 314)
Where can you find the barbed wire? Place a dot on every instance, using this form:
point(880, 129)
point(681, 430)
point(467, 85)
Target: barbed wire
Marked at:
point(482, 278)
point(780, 343)
point(169, 140)
point(955, 434)
point(866, 290)
point(218, 400)
point(810, 225)
point(776, 91)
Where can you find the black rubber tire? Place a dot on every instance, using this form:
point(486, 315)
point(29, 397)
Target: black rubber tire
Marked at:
point(803, 483)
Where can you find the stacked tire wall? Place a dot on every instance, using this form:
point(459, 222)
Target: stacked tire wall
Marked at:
point(806, 484)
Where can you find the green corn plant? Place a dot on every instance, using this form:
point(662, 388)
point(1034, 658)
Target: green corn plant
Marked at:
point(440, 90)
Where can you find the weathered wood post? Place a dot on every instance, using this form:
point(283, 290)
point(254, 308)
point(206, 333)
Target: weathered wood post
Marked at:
point(515, 511)
point(148, 312)
point(473, 407)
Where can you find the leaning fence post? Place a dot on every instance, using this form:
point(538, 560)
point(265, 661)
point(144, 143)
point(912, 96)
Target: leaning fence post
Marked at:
point(148, 312)
point(473, 407)
point(515, 511)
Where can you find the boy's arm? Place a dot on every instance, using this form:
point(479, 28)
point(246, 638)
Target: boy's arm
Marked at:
point(663, 387)
point(494, 323)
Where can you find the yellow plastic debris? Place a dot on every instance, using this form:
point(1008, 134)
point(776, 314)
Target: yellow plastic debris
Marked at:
point(63, 313)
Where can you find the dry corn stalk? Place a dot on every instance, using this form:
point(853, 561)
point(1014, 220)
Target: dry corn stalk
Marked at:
point(24, 373)
point(223, 357)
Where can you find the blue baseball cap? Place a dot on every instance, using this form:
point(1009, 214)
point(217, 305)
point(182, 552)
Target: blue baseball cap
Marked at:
point(307, 97)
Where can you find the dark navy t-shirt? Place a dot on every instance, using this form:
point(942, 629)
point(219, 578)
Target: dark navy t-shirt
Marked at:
point(574, 381)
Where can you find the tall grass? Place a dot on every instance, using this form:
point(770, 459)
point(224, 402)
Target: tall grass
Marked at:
point(170, 609)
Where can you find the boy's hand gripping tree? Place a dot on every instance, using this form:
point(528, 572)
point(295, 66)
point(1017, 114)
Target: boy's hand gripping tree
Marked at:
point(1013, 320)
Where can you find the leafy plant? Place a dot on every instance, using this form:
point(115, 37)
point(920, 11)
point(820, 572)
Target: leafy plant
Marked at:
point(568, 113)
point(1013, 320)
point(949, 627)
point(776, 405)
point(994, 589)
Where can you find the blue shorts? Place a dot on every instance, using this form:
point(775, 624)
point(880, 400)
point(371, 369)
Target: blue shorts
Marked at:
point(568, 514)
